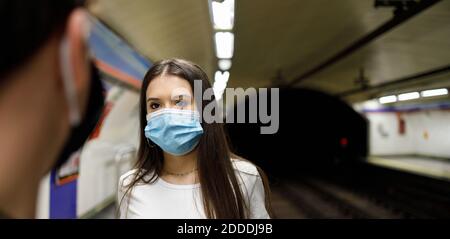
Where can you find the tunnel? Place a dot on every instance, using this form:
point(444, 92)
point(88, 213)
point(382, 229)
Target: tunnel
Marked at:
point(318, 133)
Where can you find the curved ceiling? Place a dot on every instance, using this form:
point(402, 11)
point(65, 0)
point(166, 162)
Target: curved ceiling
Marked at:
point(276, 41)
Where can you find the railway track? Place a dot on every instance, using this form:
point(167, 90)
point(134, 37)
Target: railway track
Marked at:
point(324, 200)
point(367, 192)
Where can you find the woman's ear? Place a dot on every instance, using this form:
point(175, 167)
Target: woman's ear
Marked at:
point(77, 32)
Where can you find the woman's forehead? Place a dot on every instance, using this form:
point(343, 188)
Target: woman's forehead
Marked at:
point(168, 86)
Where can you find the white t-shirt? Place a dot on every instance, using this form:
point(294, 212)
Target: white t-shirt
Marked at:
point(166, 200)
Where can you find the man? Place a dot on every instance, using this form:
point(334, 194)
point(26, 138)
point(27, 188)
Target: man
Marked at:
point(50, 96)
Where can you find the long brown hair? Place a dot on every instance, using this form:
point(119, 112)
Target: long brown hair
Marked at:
point(222, 197)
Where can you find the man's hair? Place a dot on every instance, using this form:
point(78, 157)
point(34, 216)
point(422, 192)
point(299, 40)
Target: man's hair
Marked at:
point(26, 25)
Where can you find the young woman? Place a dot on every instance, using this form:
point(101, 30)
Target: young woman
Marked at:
point(184, 165)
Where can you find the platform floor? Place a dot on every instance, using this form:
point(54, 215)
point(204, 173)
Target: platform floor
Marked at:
point(426, 166)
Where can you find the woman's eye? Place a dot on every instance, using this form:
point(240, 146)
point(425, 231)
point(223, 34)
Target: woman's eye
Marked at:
point(154, 106)
point(181, 103)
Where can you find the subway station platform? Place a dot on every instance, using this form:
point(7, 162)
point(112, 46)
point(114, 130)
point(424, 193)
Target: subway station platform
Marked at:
point(438, 168)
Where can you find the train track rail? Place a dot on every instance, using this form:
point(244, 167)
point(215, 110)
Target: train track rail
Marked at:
point(320, 199)
point(368, 192)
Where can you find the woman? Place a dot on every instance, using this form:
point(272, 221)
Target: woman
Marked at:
point(184, 167)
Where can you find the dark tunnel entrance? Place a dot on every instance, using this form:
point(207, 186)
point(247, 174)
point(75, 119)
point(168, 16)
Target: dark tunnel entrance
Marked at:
point(317, 133)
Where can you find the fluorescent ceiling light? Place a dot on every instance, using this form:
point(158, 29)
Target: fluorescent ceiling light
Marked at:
point(223, 14)
point(224, 44)
point(220, 83)
point(221, 79)
point(373, 104)
point(408, 96)
point(434, 92)
point(387, 99)
point(224, 64)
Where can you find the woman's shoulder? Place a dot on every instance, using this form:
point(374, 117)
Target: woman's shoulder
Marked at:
point(248, 176)
point(245, 167)
point(129, 176)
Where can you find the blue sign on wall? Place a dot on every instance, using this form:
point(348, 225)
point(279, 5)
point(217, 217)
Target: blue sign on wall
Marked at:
point(63, 198)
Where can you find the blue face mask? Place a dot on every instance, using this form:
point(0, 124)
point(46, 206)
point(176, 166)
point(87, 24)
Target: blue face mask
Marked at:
point(176, 131)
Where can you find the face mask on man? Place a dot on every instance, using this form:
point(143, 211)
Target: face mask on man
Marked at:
point(81, 128)
point(176, 131)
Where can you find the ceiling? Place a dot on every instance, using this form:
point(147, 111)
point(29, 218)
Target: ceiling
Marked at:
point(161, 29)
point(276, 41)
point(418, 45)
